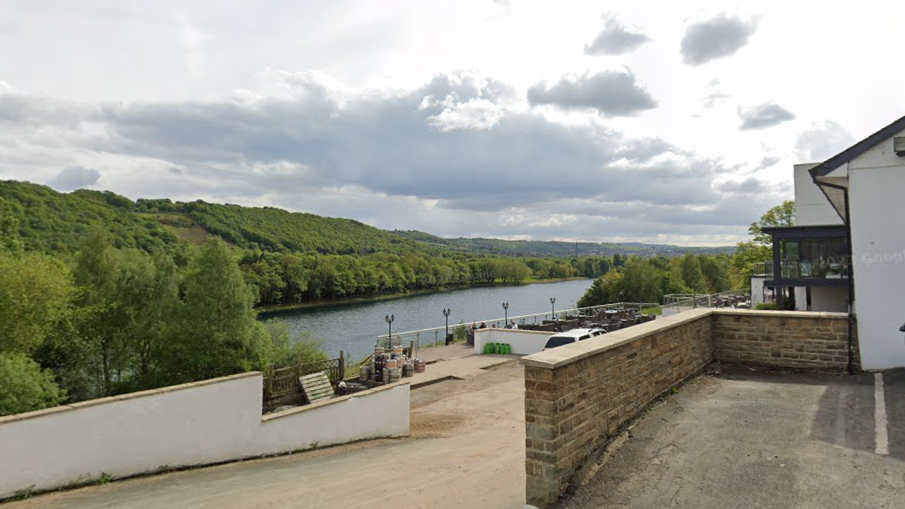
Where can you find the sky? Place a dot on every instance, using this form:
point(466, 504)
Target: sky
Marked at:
point(659, 122)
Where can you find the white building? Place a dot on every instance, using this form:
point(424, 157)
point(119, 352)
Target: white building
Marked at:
point(847, 249)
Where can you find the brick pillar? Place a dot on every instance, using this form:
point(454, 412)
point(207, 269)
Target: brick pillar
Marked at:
point(541, 438)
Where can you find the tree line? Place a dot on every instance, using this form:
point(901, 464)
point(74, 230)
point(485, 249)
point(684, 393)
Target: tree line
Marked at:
point(283, 278)
point(108, 321)
point(649, 279)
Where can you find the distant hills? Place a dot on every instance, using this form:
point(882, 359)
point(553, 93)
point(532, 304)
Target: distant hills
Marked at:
point(558, 248)
point(55, 222)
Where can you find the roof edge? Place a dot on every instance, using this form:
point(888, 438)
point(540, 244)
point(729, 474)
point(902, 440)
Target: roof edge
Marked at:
point(824, 168)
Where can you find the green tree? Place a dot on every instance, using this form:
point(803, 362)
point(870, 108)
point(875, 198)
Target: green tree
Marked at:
point(692, 274)
point(714, 270)
point(758, 248)
point(35, 295)
point(287, 350)
point(147, 297)
point(604, 290)
point(641, 281)
point(24, 386)
point(218, 331)
point(96, 273)
point(780, 215)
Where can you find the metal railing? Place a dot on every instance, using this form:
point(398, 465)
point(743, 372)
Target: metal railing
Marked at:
point(762, 269)
point(677, 302)
point(431, 337)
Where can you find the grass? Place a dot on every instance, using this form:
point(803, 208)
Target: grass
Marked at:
point(652, 311)
point(24, 493)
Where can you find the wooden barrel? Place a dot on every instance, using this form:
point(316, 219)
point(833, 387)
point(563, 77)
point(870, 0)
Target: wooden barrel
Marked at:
point(419, 366)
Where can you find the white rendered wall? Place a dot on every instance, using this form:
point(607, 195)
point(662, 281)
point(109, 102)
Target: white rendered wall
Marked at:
point(523, 342)
point(757, 290)
point(811, 206)
point(193, 424)
point(878, 250)
point(832, 299)
point(801, 298)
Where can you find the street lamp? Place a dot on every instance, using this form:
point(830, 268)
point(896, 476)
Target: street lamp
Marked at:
point(553, 307)
point(389, 319)
point(446, 314)
point(506, 315)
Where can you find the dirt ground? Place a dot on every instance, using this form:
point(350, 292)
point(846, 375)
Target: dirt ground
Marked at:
point(466, 449)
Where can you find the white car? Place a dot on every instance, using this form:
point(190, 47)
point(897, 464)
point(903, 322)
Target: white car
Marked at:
point(571, 336)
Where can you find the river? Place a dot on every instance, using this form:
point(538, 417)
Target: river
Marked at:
point(353, 328)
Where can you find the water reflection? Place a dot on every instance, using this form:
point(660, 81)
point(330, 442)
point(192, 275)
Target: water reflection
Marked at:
point(353, 328)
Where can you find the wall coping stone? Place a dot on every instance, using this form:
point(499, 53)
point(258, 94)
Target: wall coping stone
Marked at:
point(123, 397)
point(511, 331)
point(332, 401)
point(780, 314)
point(568, 354)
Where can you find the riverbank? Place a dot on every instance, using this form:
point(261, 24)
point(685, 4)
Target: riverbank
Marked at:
point(265, 311)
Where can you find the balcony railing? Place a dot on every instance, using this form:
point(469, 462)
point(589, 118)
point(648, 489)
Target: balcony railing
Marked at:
point(763, 269)
point(814, 269)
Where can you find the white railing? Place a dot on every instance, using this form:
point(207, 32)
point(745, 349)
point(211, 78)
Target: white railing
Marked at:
point(431, 336)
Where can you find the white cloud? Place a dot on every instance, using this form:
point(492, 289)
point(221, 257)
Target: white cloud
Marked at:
point(193, 40)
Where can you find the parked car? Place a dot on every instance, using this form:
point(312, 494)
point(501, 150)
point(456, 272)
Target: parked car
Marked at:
point(571, 336)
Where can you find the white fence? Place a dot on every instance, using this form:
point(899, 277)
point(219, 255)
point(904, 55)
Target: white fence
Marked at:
point(193, 424)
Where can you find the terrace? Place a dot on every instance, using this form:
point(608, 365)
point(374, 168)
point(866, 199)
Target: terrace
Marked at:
point(706, 408)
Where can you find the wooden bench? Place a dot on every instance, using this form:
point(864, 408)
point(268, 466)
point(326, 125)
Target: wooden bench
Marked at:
point(316, 386)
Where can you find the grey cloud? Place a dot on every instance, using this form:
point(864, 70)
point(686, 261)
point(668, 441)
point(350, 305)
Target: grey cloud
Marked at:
point(300, 151)
point(715, 38)
point(822, 141)
point(615, 39)
point(610, 92)
point(75, 177)
point(642, 150)
point(714, 98)
point(767, 162)
point(747, 186)
point(763, 116)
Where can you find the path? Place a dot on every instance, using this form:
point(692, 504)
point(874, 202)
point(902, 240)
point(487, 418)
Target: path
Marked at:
point(467, 449)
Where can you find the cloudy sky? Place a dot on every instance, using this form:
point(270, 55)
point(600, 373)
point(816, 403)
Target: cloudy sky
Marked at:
point(668, 122)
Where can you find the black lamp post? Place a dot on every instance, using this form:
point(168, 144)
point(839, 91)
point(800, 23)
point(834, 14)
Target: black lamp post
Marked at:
point(389, 319)
point(553, 307)
point(506, 315)
point(446, 313)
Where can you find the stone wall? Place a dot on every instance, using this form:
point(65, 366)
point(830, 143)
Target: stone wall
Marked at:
point(579, 395)
point(782, 339)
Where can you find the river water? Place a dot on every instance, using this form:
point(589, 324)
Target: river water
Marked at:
point(353, 328)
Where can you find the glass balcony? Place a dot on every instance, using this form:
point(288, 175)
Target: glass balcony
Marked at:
point(814, 258)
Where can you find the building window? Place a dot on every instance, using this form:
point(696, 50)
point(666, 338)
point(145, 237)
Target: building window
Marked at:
point(814, 258)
